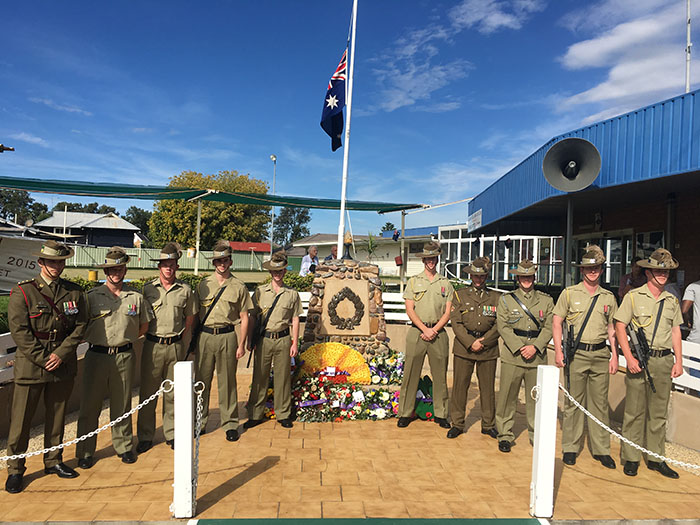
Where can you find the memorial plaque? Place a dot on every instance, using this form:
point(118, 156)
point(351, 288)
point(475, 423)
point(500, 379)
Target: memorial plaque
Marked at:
point(345, 308)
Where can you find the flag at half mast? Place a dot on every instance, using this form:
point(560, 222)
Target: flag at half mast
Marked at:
point(332, 115)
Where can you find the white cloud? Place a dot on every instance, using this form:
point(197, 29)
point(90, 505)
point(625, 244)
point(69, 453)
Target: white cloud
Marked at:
point(60, 107)
point(31, 139)
point(410, 74)
point(488, 16)
point(640, 43)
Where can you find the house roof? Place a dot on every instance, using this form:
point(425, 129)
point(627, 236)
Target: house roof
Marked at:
point(74, 219)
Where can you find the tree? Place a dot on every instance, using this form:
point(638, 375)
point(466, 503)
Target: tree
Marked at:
point(19, 204)
point(93, 207)
point(176, 220)
point(388, 227)
point(291, 225)
point(370, 245)
point(138, 217)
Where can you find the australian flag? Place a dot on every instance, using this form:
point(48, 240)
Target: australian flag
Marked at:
point(332, 116)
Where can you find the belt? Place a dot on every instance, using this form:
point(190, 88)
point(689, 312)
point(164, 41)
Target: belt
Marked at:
point(474, 333)
point(530, 334)
point(216, 331)
point(48, 336)
point(111, 350)
point(277, 335)
point(430, 325)
point(592, 346)
point(164, 340)
point(659, 353)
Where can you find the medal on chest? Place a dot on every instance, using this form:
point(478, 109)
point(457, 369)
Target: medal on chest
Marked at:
point(131, 310)
point(442, 291)
point(541, 316)
point(488, 311)
point(70, 308)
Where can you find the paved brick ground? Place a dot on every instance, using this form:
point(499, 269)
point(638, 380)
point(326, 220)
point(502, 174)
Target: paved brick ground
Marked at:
point(350, 470)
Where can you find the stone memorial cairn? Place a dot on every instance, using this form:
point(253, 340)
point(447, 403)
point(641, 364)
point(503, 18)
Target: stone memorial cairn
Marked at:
point(346, 307)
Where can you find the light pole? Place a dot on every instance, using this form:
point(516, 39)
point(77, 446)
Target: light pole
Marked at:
point(273, 158)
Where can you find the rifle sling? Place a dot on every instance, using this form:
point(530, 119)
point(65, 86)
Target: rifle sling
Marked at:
point(213, 303)
point(263, 325)
point(656, 325)
point(525, 309)
point(585, 322)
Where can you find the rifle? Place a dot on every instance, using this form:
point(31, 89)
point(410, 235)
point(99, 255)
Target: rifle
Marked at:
point(640, 350)
point(567, 345)
point(259, 331)
point(198, 330)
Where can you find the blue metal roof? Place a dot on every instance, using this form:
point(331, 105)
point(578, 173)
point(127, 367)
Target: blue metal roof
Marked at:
point(655, 141)
point(415, 232)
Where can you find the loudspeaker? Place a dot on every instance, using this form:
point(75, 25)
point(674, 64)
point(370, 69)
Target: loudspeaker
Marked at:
point(571, 164)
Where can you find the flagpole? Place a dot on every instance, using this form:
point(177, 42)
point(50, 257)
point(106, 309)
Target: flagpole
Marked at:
point(348, 104)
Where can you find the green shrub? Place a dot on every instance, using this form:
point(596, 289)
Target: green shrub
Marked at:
point(84, 283)
point(191, 279)
point(296, 281)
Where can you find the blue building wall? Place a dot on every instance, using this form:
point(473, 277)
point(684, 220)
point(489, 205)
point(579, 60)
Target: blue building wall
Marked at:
point(656, 141)
point(414, 232)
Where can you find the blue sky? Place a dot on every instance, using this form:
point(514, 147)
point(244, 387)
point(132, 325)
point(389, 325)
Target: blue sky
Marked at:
point(448, 95)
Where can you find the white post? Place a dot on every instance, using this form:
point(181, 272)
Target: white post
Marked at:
point(688, 45)
point(199, 229)
point(184, 502)
point(542, 484)
point(346, 153)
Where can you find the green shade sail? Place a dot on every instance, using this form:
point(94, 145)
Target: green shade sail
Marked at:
point(131, 191)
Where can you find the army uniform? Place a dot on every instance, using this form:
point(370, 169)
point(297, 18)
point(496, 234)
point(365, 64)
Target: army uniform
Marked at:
point(517, 330)
point(646, 412)
point(589, 370)
point(39, 330)
point(430, 301)
point(218, 343)
point(108, 366)
point(273, 349)
point(474, 317)
point(163, 347)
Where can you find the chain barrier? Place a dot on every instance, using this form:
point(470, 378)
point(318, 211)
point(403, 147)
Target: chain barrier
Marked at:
point(199, 390)
point(692, 468)
point(166, 386)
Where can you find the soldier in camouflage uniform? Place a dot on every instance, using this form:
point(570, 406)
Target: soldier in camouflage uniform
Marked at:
point(524, 320)
point(428, 298)
point(119, 316)
point(593, 360)
point(658, 314)
point(174, 307)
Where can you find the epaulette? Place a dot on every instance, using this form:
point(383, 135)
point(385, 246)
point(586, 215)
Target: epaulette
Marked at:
point(26, 281)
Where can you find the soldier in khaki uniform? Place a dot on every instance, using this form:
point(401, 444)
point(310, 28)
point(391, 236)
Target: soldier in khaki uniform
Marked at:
point(428, 298)
point(524, 348)
point(174, 306)
point(119, 315)
point(276, 348)
point(473, 321)
point(646, 412)
point(219, 347)
point(47, 317)
point(593, 361)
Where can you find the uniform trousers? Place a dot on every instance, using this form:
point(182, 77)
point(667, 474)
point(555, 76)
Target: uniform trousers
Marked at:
point(272, 353)
point(646, 412)
point(590, 379)
point(157, 363)
point(512, 376)
point(218, 352)
point(438, 352)
point(486, 374)
point(106, 374)
point(25, 399)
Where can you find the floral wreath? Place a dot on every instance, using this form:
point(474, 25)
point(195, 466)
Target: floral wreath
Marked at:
point(346, 323)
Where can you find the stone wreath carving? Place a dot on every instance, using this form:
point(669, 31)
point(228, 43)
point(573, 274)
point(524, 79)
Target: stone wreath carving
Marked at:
point(346, 323)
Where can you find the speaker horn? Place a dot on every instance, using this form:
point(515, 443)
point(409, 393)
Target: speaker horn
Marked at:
point(571, 164)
